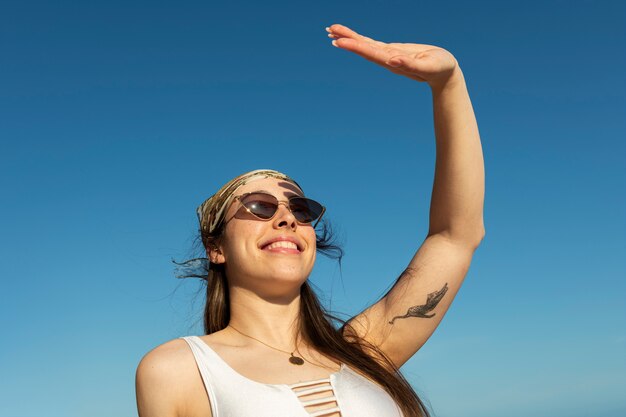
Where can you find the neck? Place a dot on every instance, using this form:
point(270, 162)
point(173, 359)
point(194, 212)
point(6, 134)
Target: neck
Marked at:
point(272, 320)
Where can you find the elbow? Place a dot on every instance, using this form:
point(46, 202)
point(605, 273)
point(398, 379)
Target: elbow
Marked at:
point(478, 234)
point(469, 239)
point(474, 240)
point(480, 238)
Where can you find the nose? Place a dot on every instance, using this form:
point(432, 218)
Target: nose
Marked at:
point(284, 217)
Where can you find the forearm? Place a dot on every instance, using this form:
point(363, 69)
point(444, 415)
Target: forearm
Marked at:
point(456, 209)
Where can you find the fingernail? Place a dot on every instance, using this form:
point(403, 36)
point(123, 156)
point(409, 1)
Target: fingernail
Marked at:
point(334, 43)
point(327, 29)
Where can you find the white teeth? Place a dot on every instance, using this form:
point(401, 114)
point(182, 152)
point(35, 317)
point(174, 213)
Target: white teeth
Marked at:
point(282, 244)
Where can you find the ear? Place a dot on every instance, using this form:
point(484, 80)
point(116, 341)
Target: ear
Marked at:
point(215, 255)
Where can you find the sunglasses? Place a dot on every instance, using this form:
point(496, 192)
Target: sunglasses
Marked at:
point(264, 206)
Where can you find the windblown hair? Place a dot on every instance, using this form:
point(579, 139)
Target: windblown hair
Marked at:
point(316, 327)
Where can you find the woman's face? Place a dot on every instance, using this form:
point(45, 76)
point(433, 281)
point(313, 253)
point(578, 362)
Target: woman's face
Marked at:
point(259, 254)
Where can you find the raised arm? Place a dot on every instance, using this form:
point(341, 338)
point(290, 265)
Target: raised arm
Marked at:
point(401, 322)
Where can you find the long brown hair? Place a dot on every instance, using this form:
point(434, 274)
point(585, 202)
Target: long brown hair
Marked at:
point(316, 327)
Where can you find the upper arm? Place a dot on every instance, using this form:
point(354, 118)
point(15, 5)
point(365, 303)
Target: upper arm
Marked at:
point(401, 322)
point(166, 381)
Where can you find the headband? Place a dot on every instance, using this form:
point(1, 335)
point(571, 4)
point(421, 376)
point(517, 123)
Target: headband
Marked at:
point(211, 213)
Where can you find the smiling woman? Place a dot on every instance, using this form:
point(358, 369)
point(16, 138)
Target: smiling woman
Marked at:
point(270, 349)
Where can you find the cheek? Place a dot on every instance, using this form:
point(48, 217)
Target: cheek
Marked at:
point(312, 239)
point(238, 239)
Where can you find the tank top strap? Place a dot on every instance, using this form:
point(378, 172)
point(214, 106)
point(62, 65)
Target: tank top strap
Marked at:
point(206, 353)
point(210, 374)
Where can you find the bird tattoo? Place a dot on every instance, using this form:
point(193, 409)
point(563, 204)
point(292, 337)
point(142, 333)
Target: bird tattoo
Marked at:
point(421, 311)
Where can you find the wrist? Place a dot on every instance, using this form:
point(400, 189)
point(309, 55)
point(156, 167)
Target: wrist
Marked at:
point(450, 81)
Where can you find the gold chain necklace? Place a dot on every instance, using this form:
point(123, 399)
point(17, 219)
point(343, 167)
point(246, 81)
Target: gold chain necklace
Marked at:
point(293, 359)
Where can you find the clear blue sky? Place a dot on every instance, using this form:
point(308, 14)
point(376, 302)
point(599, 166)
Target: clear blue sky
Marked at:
point(118, 118)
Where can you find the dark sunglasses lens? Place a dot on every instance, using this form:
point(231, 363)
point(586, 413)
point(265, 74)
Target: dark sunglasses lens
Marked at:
point(304, 209)
point(261, 205)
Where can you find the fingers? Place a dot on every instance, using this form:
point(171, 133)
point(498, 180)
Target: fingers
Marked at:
point(368, 48)
point(369, 51)
point(345, 38)
point(339, 31)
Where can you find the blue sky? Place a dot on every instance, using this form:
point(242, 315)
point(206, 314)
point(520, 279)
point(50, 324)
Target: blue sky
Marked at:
point(118, 118)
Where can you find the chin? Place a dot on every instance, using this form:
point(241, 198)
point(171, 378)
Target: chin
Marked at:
point(290, 276)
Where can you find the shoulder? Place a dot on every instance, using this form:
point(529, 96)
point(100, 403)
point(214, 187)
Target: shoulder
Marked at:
point(165, 358)
point(165, 377)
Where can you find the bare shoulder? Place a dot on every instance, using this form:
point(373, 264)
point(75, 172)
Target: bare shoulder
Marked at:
point(168, 383)
point(167, 358)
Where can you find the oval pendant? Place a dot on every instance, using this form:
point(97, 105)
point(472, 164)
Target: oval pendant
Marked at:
point(296, 360)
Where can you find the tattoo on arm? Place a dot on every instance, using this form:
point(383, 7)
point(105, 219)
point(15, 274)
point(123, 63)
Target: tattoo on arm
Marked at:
point(421, 311)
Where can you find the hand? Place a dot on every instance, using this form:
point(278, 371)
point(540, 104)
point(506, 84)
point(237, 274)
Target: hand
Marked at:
point(424, 63)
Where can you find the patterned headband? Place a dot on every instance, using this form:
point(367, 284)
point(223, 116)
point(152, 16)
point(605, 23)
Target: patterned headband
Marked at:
point(211, 213)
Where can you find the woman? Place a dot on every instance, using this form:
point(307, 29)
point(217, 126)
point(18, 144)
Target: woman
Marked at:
point(269, 348)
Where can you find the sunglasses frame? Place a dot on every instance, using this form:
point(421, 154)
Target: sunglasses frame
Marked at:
point(278, 203)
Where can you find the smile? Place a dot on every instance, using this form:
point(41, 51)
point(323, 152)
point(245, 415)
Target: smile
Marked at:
point(282, 246)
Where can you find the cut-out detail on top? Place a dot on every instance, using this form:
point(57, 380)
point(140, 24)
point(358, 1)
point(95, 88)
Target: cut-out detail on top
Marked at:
point(317, 397)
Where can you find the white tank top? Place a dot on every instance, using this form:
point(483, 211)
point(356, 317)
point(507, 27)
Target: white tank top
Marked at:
point(233, 395)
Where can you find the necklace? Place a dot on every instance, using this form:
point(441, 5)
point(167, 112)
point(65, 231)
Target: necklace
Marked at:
point(293, 359)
